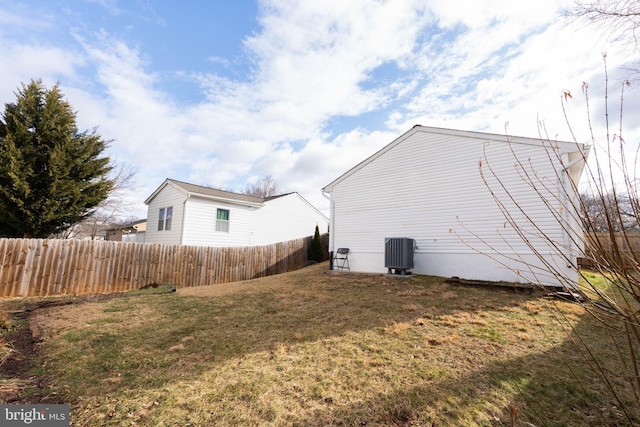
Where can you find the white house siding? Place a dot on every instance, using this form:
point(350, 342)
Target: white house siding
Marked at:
point(200, 224)
point(285, 218)
point(169, 196)
point(134, 237)
point(429, 187)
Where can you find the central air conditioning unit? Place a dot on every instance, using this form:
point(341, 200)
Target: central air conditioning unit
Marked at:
point(398, 254)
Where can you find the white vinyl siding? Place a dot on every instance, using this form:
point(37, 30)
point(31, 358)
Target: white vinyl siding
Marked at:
point(201, 223)
point(442, 201)
point(168, 197)
point(286, 217)
point(223, 219)
point(429, 187)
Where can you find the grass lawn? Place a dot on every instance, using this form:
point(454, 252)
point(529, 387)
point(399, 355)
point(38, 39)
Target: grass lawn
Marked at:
point(318, 348)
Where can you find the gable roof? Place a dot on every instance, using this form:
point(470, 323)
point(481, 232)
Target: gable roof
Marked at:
point(126, 225)
point(266, 199)
point(223, 196)
point(208, 192)
point(582, 149)
point(302, 199)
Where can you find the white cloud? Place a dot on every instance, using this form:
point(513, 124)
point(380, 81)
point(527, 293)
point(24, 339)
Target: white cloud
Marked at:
point(143, 120)
point(29, 62)
point(470, 65)
point(313, 57)
point(480, 14)
point(516, 78)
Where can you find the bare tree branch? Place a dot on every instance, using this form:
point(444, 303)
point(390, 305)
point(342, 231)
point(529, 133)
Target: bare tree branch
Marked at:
point(264, 187)
point(618, 19)
point(111, 211)
point(611, 208)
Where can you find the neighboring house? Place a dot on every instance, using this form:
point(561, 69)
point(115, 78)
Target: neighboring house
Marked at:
point(180, 213)
point(437, 186)
point(130, 232)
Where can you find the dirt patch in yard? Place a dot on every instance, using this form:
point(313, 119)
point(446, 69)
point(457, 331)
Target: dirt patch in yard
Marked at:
point(21, 378)
point(18, 381)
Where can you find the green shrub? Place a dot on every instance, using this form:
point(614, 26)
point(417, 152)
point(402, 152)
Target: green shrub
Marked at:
point(315, 249)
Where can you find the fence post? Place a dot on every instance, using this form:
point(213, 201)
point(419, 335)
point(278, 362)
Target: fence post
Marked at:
point(77, 267)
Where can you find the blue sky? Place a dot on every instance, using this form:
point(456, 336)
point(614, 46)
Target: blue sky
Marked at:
point(222, 93)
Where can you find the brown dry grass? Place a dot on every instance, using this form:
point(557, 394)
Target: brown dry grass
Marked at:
point(317, 348)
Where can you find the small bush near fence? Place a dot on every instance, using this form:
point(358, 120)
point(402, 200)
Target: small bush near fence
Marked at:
point(42, 267)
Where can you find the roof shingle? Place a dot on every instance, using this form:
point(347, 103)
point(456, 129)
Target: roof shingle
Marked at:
point(213, 192)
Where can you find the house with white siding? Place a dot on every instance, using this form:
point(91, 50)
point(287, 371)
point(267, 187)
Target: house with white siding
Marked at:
point(476, 206)
point(180, 213)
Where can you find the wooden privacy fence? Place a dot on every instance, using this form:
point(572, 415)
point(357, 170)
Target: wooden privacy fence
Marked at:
point(41, 267)
point(623, 249)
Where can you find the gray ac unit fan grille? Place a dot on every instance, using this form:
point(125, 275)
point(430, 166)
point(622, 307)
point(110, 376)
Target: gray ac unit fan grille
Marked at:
point(398, 253)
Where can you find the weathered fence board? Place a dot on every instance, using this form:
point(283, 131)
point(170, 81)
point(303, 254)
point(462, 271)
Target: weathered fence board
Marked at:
point(42, 267)
point(604, 249)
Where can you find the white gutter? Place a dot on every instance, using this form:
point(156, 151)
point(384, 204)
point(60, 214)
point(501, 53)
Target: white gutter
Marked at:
point(228, 200)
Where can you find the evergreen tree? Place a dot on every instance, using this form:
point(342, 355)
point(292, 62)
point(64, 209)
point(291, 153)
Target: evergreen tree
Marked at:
point(51, 175)
point(315, 249)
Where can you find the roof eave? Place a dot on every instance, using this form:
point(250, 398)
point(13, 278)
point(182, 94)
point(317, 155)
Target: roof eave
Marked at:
point(329, 187)
point(419, 128)
point(226, 200)
point(166, 182)
point(188, 193)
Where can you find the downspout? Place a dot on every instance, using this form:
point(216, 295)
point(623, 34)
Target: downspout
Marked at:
point(331, 226)
point(566, 174)
point(184, 215)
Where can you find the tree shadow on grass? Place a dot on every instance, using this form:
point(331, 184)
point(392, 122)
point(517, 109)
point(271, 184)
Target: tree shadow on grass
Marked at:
point(539, 394)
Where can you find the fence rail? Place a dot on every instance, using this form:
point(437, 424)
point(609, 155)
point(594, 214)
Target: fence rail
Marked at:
point(42, 267)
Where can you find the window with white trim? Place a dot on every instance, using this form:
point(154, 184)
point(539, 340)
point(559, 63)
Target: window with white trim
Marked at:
point(222, 220)
point(164, 218)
